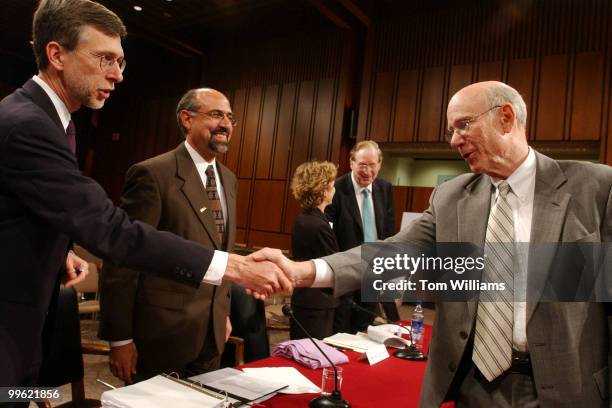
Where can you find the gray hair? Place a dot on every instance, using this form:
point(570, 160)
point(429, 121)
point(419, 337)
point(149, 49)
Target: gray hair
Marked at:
point(366, 144)
point(189, 102)
point(62, 21)
point(500, 94)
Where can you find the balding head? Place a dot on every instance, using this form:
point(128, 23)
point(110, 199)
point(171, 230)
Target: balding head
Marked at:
point(487, 126)
point(206, 120)
point(192, 101)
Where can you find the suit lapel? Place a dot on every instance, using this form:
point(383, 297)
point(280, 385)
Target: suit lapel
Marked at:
point(472, 215)
point(352, 201)
point(549, 208)
point(472, 211)
point(195, 192)
point(40, 98)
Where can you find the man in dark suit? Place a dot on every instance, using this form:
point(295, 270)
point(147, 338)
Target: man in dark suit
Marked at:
point(155, 325)
point(46, 203)
point(362, 211)
point(542, 353)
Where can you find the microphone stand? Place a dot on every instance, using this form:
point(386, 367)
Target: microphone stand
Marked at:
point(410, 353)
point(324, 401)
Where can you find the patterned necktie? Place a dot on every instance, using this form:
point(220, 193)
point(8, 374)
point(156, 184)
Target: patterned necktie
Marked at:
point(493, 340)
point(71, 136)
point(369, 226)
point(215, 202)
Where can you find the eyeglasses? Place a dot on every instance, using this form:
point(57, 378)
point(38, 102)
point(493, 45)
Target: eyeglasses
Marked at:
point(463, 126)
point(107, 63)
point(219, 115)
point(367, 166)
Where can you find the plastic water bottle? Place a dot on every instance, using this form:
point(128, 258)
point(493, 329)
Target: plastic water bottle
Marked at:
point(417, 326)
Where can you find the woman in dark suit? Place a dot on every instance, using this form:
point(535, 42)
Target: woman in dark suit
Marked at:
point(312, 237)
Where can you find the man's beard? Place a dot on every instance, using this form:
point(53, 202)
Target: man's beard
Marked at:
point(219, 146)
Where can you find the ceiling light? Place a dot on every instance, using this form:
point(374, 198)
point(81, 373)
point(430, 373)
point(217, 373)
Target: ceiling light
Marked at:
point(137, 8)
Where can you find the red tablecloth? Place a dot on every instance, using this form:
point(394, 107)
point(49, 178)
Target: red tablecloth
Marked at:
point(391, 383)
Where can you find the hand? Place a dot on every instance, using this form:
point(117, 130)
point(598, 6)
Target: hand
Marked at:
point(228, 328)
point(301, 274)
point(76, 269)
point(262, 277)
point(122, 361)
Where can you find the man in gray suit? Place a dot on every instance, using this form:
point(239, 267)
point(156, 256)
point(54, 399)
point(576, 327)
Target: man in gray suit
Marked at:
point(550, 354)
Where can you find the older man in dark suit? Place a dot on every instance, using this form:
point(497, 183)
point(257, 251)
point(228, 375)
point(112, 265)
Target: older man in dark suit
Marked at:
point(156, 325)
point(46, 203)
point(362, 211)
point(517, 353)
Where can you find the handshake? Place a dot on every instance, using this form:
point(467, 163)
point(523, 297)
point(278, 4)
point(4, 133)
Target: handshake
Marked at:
point(267, 272)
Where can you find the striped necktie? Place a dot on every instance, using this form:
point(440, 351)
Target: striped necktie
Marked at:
point(369, 226)
point(215, 202)
point(493, 339)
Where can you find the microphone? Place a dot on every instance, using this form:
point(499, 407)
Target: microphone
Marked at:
point(410, 353)
point(324, 401)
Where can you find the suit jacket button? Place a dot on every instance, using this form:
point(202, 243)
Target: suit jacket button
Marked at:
point(463, 334)
point(452, 367)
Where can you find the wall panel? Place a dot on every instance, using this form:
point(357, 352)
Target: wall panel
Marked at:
point(419, 198)
point(260, 239)
point(405, 108)
point(587, 98)
point(303, 121)
point(267, 209)
point(432, 105)
point(557, 54)
point(552, 92)
point(381, 108)
point(251, 131)
point(239, 108)
point(324, 116)
point(490, 71)
point(243, 196)
point(282, 145)
point(266, 134)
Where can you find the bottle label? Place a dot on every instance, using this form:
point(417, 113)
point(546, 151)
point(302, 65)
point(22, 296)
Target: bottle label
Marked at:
point(417, 324)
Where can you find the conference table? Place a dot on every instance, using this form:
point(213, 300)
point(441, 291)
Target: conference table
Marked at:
point(392, 382)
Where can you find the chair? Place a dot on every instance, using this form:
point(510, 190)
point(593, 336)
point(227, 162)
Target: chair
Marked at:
point(238, 344)
point(63, 357)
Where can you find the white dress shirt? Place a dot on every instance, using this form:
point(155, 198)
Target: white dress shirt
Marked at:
point(60, 107)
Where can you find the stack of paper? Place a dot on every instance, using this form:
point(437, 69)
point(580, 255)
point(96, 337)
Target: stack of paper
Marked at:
point(297, 383)
point(377, 335)
point(157, 392)
point(359, 343)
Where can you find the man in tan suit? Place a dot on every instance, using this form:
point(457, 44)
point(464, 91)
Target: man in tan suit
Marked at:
point(153, 324)
point(540, 353)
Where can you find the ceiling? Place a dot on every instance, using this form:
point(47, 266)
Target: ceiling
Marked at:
point(190, 27)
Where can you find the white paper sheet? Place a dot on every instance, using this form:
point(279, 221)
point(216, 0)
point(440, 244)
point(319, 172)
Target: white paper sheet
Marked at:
point(298, 384)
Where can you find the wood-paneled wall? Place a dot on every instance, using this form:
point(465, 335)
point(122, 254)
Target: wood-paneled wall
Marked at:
point(291, 93)
point(556, 53)
point(288, 96)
